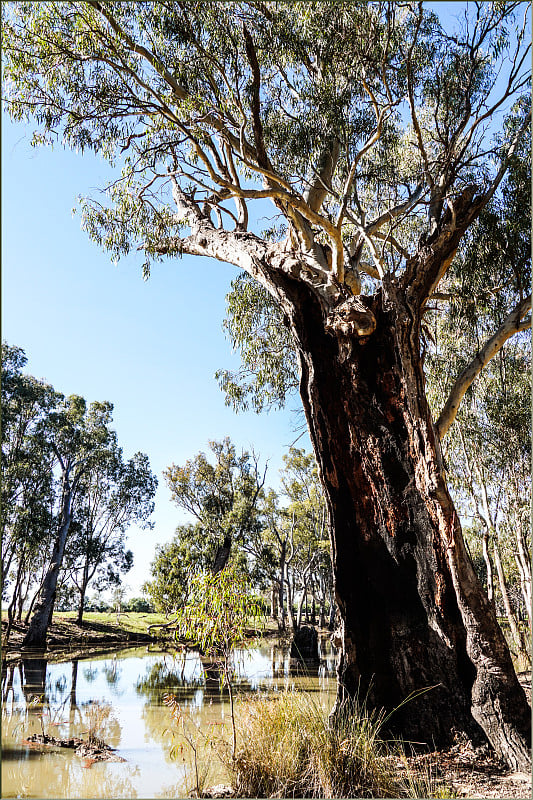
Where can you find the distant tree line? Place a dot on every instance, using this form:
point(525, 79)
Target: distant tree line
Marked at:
point(68, 498)
point(278, 539)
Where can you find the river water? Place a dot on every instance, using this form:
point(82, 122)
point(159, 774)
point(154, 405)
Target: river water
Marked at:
point(120, 696)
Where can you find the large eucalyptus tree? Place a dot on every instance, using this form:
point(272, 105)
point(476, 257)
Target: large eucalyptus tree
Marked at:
point(369, 128)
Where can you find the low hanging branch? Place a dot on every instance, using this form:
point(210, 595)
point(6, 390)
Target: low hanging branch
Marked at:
point(513, 323)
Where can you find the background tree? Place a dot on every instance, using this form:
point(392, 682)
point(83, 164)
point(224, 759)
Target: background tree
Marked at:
point(278, 534)
point(310, 561)
point(488, 448)
point(367, 126)
point(118, 597)
point(223, 497)
point(27, 480)
point(76, 435)
point(172, 566)
point(68, 496)
point(114, 494)
point(139, 605)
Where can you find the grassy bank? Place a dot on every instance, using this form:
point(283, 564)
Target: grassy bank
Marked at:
point(99, 630)
point(129, 621)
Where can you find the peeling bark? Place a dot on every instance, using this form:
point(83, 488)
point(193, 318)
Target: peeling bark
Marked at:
point(414, 616)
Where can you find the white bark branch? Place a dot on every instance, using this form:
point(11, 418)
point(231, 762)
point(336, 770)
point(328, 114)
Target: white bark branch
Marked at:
point(511, 325)
point(505, 161)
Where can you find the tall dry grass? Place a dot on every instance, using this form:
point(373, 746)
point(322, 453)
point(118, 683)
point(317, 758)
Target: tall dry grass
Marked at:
point(289, 748)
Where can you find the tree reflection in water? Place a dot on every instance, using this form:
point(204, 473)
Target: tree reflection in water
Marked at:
point(39, 703)
point(143, 725)
point(112, 673)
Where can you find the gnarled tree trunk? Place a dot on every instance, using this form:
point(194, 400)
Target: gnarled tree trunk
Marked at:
point(414, 615)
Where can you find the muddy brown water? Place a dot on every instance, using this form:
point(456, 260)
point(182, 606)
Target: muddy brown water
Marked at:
point(119, 696)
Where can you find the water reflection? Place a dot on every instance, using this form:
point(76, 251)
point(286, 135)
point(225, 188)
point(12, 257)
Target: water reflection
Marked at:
point(61, 697)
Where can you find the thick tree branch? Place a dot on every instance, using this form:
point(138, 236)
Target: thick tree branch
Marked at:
point(511, 325)
point(257, 126)
point(315, 194)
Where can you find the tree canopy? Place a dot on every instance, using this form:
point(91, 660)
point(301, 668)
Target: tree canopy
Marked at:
point(363, 121)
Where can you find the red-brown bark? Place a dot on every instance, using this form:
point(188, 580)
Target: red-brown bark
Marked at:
point(414, 614)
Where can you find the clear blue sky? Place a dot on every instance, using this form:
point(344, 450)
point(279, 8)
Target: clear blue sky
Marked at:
point(97, 329)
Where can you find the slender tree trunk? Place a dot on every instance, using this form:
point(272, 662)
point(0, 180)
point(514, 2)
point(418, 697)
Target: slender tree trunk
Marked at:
point(13, 603)
point(488, 565)
point(274, 594)
point(23, 596)
point(33, 601)
point(42, 616)
point(281, 599)
point(299, 609)
point(10, 616)
point(82, 590)
point(20, 606)
point(413, 612)
point(509, 613)
point(6, 564)
point(313, 604)
point(332, 610)
point(79, 616)
point(290, 607)
point(523, 562)
point(321, 602)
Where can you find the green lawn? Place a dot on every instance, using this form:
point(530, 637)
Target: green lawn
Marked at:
point(133, 621)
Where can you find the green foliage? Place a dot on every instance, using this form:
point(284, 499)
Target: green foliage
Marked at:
point(96, 604)
point(492, 270)
point(147, 85)
point(216, 617)
point(255, 327)
point(224, 497)
point(219, 611)
point(138, 605)
point(172, 566)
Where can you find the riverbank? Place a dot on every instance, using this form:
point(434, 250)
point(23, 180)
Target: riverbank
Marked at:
point(98, 632)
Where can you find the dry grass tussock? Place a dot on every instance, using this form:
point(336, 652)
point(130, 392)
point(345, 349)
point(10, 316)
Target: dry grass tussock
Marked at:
point(289, 748)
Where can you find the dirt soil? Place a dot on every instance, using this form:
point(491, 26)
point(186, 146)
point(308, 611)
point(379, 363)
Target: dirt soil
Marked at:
point(472, 773)
point(66, 635)
point(476, 773)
